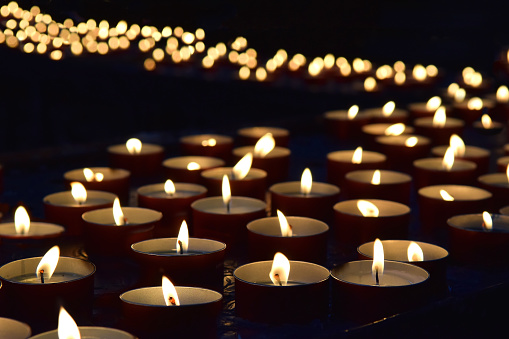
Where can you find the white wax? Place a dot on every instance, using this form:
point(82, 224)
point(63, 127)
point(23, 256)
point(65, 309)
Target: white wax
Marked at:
point(258, 132)
point(199, 138)
point(65, 198)
point(346, 156)
point(379, 129)
point(495, 179)
point(386, 177)
point(166, 246)
point(458, 192)
point(399, 140)
point(153, 296)
point(182, 162)
point(386, 208)
point(182, 190)
point(292, 188)
point(428, 122)
point(277, 152)
point(219, 172)
point(36, 229)
point(56, 278)
point(470, 152)
point(145, 149)
point(238, 205)
point(90, 332)
point(301, 226)
point(107, 172)
point(435, 164)
point(343, 115)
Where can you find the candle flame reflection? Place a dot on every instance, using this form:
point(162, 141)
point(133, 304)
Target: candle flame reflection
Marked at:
point(79, 193)
point(414, 252)
point(368, 209)
point(286, 229)
point(306, 182)
point(241, 169)
point(377, 269)
point(264, 145)
point(21, 220)
point(280, 270)
point(48, 263)
point(487, 221)
point(446, 196)
point(183, 238)
point(67, 327)
point(133, 146)
point(169, 293)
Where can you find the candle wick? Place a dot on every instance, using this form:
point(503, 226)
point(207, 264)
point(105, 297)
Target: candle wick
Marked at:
point(181, 250)
point(228, 207)
point(276, 276)
point(41, 272)
point(172, 301)
point(377, 281)
point(125, 221)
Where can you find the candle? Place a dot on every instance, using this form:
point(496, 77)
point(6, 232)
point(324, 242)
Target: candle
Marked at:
point(387, 114)
point(305, 198)
point(250, 135)
point(424, 109)
point(378, 184)
point(471, 110)
point(209, 145)
point(498, 185)
point(173, 200)
point(372, 131)
point(346, 124)
point(113, 180)
point(22, 230)
point(403, 150)
point(439, 128)
point(307, 240)
point(502, 164)
point(303, 298)
point(189, 168)
point(359, 221)
point(140, 159)
point(13, 329)
point(480, 156)
point(488, 127)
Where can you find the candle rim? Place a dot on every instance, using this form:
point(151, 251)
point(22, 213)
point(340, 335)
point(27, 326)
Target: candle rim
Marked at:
point(84, 330)
point(423, 141)
point(16, 325)
point(172, 240)
point(196, 204)
point(352, 205)
point(369, 245)
point(277, 152)
point(276, 131)
point(77, 174)
point(159, 187)
point(252, 175)
point(91, 194)
point(128, 211)
point(196, 139)
point(377, 111)
point(453, 190)
point(333, 156)
point(205, 162)
point(427, 122)
point(217, 296)
point(456, 220)
point(342, 114)
point(492, 179)
point(405, 178)
point(458, 165)
point(374, 129)
point(146, 149)
point(439, 151)
point(275, 189)
point(252, 225)
point(54, 229)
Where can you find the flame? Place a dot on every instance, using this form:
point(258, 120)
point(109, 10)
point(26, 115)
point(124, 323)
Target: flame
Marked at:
point(414, 252)
point(376, 178)
point(368, 209)
point(21, 220)
point(209, 142)
point(460, 95)
point(241, 169)
point(396, 129)
point(448, 160)
point(306, 182)
point(67, 327)
point(227, 194)
point(475, 104)
point(507, 173)
point(169, 293)
point(48, 263)
point(286, 229)
point(357, 156)
point(133, 146)
point(79, 193)
point(419, 72)
point(118, 215)
point(411, 142)
point(503, 94)
point(370, 84)
point(439, 118)
point(352, 112)
point(451, 90)
point(169, 187)
point(486, 121)
point(378, 259)
point(280, 270)
point(89, 174)
point(457, 144)
point(399, 78)
point(446, 196)
point(487, 221)
point(388, 108)
point(183, 238)
point(433, 103)
point(98, 177)
point(193, 166)
point(264, 145)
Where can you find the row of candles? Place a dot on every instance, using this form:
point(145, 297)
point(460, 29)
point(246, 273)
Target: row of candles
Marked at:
point(227, 221)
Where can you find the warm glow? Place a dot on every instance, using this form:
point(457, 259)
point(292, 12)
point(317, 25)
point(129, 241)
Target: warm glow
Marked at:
point(209, 142)
point(452, 88)
point(306, 182)
point(183, 238)
point(432, 71)
point(264, 145)
point(226, 192)
point(169, 187)
point(487, 221)
point(169, 293)
point(460, 95)
point(399, 66)
point(367, 209)
point(193, 166)
point(378, 260)
point(439, 118)
point(486, 121)
point(448, 160)
point(388, 108)
point(446, 196)
point(411, 142)
point(507, 173)
point(280, 270)
point(376, 177)
point(475, 104)
point(370, 84)
point(419, 72)
point(396, 129)
point(400, 78)
point(244, 72)
point(433, 103)
point(357, 156)
point(79, 193)
point(118, 215)
point(352, 112)
point(67, 327)
point(133, 146)
point(457, 144)
point(48, 264)
point(241, 169)
point(21, 220)
point(503, 94)
point(89, 174)
point(286, 229)
point(358, 65)
point(414, 252)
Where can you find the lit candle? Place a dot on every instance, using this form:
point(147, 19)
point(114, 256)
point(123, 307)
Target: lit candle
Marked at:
point(136, 157)
point(471, 110)
point(498, 185)
point(487, 126)
point(251, 135)
point(439, 128)
point(346, 124)
point(209, 145)
point(388, 113)
point(189, 168)
point(425, 109)
point(403, 150)
point(372, 131)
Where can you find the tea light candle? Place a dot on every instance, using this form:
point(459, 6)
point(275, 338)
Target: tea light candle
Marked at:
point(253, 185)
point(435, 171)
point(113, 180)
point(275, 163)
point(359, 221)
point(387, 114)
point(346, 124)
point(487, 126)
point(403, 150)
point(209, 145)
point(13, 329)
point(378, 184)
point(372, 131)
point(143, 160)
point(174, 205)
point(256, 294)
point(308, 240)
point(471, 110)
point(498, 185)
point(480, 156)
point(250, 135)
point(189, 168)
point(502, 164)
point(424, 109)
point(439, 128)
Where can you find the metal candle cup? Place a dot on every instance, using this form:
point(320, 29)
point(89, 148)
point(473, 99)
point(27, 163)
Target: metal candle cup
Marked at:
point(146, 163)
point(176, 168)
point(62, 209)
point(201, 266)
point(199, 145)
point(104, 237)
point(175, 208)
point(287, 198)
point(356, 297)
point(340, 126)
point(276, 163)
point(439, 135)
point(308, 242)
point(146, 314)
point(430, 171)
point(90, 332)
point(254, 185)
point(250, 135)
point(393, 186)
point(480, 156)
point(400, 156)
point(340, 162)
point(498, 185)
point(71, 286)
point(13, 329)
point(306, 297)
point(354, 229)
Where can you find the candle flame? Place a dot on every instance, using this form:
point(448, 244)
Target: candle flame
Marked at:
point(448, 160)
point(419, 72)
point(264, 145)
point(452, 88)
point(411, 142)
point(67, 327)
point(286, 229)
point(357, 156)
point(460, 95)
point(396, 129)
point(475, 104)
point(193, 166)
point(169, 293)
point(352, 112)
point(118, 215)
point(507, 173)
point(414, 252)
point(446, 196)
point(439, 118)
point(133, 146)
point(209, 142)
point(89, 174)
point(79, 193)
point(503, 94)
point(487, 221)
point(227, 195)
point(183, 238)
point(378, 259)
point(370, 84)
point(399, 78)
point(457, 144)
point(367, 208)
point(241, 169)
point(388, 108)
point(486, 121)
point(98, 177)
point(306, 182)
point(48, 263)
point(169, 187)
point(433, 103)
point(376, 177)
point(21, 220)
point(280, 270)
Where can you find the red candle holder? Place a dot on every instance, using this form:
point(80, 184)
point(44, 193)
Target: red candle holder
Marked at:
point(177, 170)
point(340, 126)
point(430, 171)
point(480, 156)
point(146, 163)
point(401, 153)
point(208, 145)
point(254, 185)
point(250, 135)
point(439, 135)
point(276, 163)
point(340, 162)
point(498, 185)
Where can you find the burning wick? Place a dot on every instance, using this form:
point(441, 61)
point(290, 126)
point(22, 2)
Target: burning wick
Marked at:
point(181, 247)
point(41, 272)
point(276, 276)
point(377, 281)
point(172, 301)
